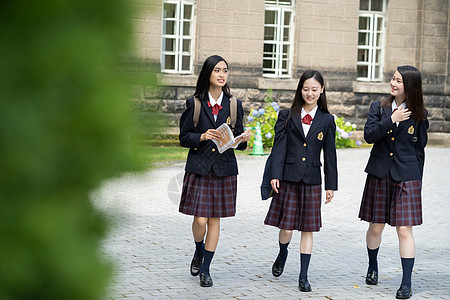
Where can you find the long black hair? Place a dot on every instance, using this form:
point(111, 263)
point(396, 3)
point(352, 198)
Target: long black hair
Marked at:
point(202, 87)
point(297, 104)
point(412, 82)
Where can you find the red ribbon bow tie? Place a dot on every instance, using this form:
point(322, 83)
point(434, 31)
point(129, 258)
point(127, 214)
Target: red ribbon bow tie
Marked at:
point(215, 108)
point(307, 119)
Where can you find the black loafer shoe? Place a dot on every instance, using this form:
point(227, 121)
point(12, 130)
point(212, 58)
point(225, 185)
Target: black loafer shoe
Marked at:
point(195, 265)
point(304, 286)
point(205, 280)
point(372, 278)
point(404, 292)
point(277, 268)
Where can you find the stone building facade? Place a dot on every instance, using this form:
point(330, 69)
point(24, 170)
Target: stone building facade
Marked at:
point(355, 44)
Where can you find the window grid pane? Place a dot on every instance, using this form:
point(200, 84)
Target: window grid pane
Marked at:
point(371, 40)
point(177, 36)
point(277, 39)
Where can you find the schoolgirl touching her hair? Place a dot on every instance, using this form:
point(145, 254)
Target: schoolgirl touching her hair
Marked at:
point(210, 180)
point(301, 133)
point(397, 128)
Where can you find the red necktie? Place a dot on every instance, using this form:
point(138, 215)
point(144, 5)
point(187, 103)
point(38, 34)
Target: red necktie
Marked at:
point(394, 110)
point(307, 119)
point(215, 108)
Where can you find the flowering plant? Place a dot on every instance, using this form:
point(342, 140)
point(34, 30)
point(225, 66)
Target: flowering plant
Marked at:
point(343, 133)
point(267, 118)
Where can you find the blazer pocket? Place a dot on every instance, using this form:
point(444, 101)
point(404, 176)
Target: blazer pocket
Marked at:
point(406, 158)
point(290, 160)
point(317, 163)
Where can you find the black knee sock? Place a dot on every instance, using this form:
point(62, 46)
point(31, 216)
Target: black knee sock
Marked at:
point(304, 265)
point(373, 264)
point(407, 267)
point(199, 249)
point(282, 255)
point(207, 258)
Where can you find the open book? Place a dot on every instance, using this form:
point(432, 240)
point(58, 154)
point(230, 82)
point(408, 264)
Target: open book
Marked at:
point(227, 139)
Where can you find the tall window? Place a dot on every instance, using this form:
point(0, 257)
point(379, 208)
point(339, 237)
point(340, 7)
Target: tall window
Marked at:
point(372, 14)
point(177, 36)
point(278, 38)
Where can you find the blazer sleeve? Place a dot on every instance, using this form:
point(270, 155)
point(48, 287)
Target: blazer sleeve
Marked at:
point(376, 128)
point(422, 139)
point(278, 154)
point(239, 126)
point(189, 138)
point(330, 159)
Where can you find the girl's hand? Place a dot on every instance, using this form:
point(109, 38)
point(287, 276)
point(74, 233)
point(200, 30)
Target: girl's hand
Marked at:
point(329, 196)
point(275, 183)
point(246, 136)
point(400, 114)
point(210, 134)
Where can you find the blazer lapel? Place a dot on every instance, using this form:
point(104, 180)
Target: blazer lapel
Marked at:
point(224, 113)
point(315, 123)
point(298, 124)
point(208, 111)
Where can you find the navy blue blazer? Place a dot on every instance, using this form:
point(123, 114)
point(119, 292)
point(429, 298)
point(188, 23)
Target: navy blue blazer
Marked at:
point(393, 148)
point(203, 156)
point(295, 157)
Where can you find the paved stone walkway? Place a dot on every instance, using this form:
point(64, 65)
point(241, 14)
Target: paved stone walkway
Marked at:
point(151, 242)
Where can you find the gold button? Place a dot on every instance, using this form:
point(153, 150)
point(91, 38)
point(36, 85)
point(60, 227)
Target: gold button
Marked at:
point(390, 130)
point(304, 145)
point(387, 132)
point(392, 138)
point(213, 149)
point(303, 159)
point(195, 149)
point(391, 154)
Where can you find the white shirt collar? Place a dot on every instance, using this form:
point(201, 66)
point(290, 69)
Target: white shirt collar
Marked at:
point(394, 105)
point(312, 113)
point(213, 102)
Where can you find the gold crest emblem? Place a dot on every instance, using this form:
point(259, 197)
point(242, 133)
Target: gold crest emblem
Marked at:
point(411, 129)
point(320, 136)
point(228, 120)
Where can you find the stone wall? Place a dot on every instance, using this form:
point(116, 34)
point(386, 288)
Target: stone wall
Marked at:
point(169, 98)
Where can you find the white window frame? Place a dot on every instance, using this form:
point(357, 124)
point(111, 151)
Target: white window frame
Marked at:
point(373, 17)
point(280, 8)
point(178, 37)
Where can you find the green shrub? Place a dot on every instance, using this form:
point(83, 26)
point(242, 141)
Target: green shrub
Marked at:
point(64, 127)
point(267, 117)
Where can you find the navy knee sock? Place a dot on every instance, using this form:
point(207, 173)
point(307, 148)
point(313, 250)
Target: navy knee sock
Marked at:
point(407, 267)
point(282, 255)
point(373, 263)
point(304, 265)
point(207, 258)
point(199, 249)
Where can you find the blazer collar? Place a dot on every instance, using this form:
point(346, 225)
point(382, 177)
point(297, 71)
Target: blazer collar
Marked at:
point(318, 118)
point(224, 113)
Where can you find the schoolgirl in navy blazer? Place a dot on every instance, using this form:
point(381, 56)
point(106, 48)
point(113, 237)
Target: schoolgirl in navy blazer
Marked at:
point(397, 127)
point(294, 166)
point(210, 181)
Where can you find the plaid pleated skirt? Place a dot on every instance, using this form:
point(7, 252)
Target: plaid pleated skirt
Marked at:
point(296, 207)
point(208, 196)
point(397, 203)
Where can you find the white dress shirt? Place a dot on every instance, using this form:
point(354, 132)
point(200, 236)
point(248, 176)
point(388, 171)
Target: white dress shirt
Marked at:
point(312, 113)
point(214, 102)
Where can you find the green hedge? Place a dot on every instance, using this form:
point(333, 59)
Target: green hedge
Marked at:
point(64, 127)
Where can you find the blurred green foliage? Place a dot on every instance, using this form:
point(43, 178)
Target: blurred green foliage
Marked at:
point(64, 127)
